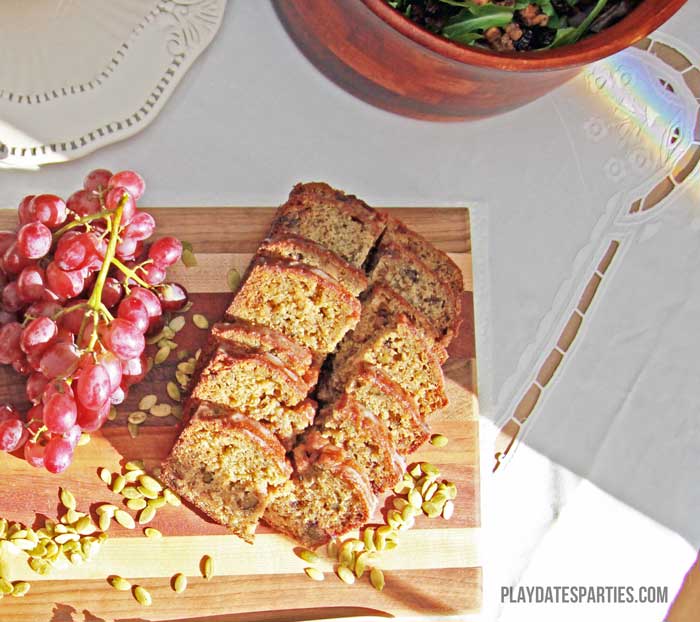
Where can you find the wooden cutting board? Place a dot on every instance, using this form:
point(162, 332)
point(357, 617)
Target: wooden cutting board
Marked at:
point(434, 571)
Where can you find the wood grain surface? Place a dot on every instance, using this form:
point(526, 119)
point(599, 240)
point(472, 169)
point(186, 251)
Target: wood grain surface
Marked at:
point(434, 571)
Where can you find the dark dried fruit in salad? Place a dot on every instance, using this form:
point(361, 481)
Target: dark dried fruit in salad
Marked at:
point(514, 25)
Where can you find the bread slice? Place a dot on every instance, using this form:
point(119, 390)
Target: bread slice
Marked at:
point(254, 385)
point(374, 391)
point(340, 222)
point(299, 301)
point(310, 253)
point(365, 438)
point(277, 346)
point(327, 496)
point(403, 354)
point(448, 271)
point(226, 465)
point(407, 274)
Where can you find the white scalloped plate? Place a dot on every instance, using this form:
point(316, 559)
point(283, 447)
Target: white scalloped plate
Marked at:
point(76, 75)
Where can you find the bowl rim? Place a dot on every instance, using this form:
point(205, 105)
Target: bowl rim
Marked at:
point(626, 32)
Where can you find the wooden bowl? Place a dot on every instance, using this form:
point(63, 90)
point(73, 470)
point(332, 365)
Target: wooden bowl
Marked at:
point(379, 55)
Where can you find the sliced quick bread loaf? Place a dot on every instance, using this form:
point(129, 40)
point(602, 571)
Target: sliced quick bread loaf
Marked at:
point(226, 465)
point(340, 222)
point(327, 496)
point(365, 438)
point(310, 308)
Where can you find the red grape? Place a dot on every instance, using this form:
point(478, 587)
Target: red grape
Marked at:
point(11, 300)
point(9, 412)
point(113, 367)
point(73, 434)
point(114, 196)
point(133, 182)
point(60, 413)
point(73, 250)
point(34, 240)
point(124, 339)
point(173, 296)
point(112, 292)
point(134, 310)
point(165, 252)
point(42, 308)
point(64, 283)
point(134, 371)
point(38, 334)
point(117, 397)
point(141, 227)
point(83, 203)
point(97, 180)
point(60, 360)
point(31, 283)
point(126, 249)
point(25, 213)
point(34, 454)
point(93, 387)
point(57, 386)
point(12, 434)
point(58, 454)
point(13, 261)
point(36, 383)
point(49, 210)
point(152, 274)
point(91, 420)
point(10, 335)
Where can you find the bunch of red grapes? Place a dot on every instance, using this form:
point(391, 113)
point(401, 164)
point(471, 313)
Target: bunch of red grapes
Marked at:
point(81, 287)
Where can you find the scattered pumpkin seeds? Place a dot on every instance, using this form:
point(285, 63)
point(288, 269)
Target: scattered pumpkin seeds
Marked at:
point(179, 583)
point(345, 574)
point(151, 483)
point(106, 476)
point(124, 519)
point(147, 515)
point(118, 483)
point(177, 324)
point(20, 588)
point(376, 578)
point(5, 586)
point(173, 391)
point(314, 573)
point(138, 465)
point(137, 417)
point(207, 567)
point(67, 499)
point(189, 258)
point(130, 492)
point(153, 533)
point(439, 440)
point(200, 321)
point(133, 429)
point(136, 504)
point(105, 521)
point(308, 556)
point(112, 413)
point(448, 509)
point(161, 410)
point(119, 583)
point(142, 596)
point(171, 497)
point(162, 355)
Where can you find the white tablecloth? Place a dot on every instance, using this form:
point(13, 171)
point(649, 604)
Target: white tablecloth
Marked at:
point(603, 489)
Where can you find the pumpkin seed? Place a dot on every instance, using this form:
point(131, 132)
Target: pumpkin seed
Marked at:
point(64, 538)
point(106, 476)
point(84, 526)
point(376, 578)
point(150, 532)
point(314, 573)
point(168, 343)
point(118, 483)
point(133, 429)
point(104, 521)
point(5, 586)
point(207, 567)
point(106, 508)
point(149, 482)
point(431, 509)
point(130, 492)
point(171, 498)
point(409, 512)
point(147, 515)
point(200, 321)
point(119, 583)
point(448, 509)
point(146, 403)
point(308, 556)
point(138, 465)
point(162, 355)
point(189, 258)
point(438, 440)
point(112, 413)
point(182, 378)
point(173, 391)
point(84, 439)
point(20, 588)
point(179, 583)
point(368, 537)
point(137, 417)
point(40, 566)
point(399, 503)
point(450, 488)
point(157, 503)
point(416, 471)
point(430, 491)
point(67, 499)
point(168, 333)
point(161, 410)
point(124, 519)
point(186, 367)
point(415, 498)
point(361, 563)
point(233, 278)
point(345, 574)
point(177, 324)
point(147, 492)
point(23, 544)
point(182, 354)
point(142, 596)
point(429, 469)
point(132, 476)
point(136, 504)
